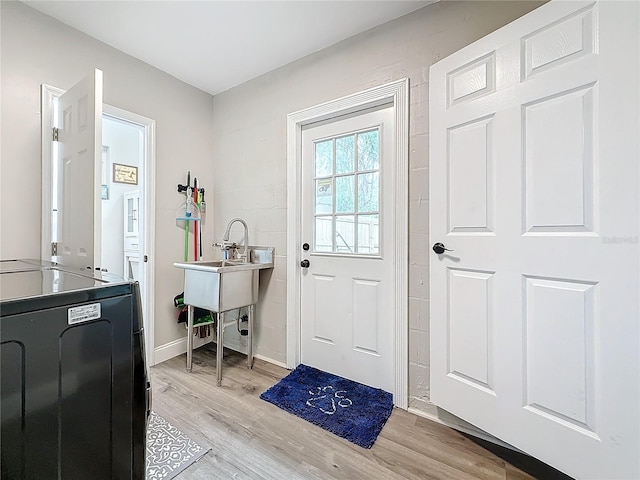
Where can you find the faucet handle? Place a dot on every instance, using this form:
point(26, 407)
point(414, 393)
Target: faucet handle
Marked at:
point(225, 245)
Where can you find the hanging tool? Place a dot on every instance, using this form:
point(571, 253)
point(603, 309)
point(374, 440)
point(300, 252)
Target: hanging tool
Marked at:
point(187, 215)
point(195, 223)
point(203, 208)
point(186, 223)
point(194, 208)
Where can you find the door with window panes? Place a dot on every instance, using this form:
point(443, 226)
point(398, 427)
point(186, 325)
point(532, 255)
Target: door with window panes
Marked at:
point(347, 291)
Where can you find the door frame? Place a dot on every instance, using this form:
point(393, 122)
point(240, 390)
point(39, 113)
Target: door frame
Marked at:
point(147, 232)
point(396, 96)
point(47, 96)
point(147, 236)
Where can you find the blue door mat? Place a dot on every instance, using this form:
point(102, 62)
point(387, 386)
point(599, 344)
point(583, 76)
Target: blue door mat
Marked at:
point(346, 408)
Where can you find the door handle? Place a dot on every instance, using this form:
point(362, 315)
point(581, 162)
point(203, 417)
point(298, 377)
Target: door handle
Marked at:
point(439, 248)
point(304, 263)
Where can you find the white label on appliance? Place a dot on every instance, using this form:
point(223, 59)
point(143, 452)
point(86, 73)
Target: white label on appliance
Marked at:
point(84, 313)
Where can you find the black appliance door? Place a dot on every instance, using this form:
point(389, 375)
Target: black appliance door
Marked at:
point(67, 394)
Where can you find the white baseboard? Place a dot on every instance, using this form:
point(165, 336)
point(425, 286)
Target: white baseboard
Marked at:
point(170, 350)
point(468, 429)
point(270, 360)
point(177, 347)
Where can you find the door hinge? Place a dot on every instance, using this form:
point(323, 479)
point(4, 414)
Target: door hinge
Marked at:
point(56, 133)
point(145, 259)
point(54, 249)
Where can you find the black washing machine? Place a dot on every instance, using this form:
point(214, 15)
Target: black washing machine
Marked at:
point(74, 388)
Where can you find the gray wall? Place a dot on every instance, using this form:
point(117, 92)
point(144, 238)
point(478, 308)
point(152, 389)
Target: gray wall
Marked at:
point(250, 141)
point(37, 49)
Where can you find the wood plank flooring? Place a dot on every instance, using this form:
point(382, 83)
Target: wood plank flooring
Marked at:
point(253, 439)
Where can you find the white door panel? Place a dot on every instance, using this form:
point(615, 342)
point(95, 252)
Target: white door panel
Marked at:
point(80, 137)
point(347, 294)
point(534, 184)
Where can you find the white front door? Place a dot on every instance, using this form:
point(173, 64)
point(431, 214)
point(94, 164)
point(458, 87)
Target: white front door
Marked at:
point(534, 186)
point(347, 290)
point(80, 160)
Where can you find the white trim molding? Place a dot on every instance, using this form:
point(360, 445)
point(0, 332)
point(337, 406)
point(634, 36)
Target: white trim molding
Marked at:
point(460, 427)
point(47, 96)
point(270, 360)
point(175, 348)
point(179, 347)
point(395, 94)
point(170, 350)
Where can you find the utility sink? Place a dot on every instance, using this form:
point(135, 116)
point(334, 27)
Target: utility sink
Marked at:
point(224, 285)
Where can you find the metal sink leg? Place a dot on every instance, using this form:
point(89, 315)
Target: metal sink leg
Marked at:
point(250, 338)
point(220, 347)
point(189, 337)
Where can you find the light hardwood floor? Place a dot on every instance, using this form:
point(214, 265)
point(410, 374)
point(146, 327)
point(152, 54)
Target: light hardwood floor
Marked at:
point(253, 439)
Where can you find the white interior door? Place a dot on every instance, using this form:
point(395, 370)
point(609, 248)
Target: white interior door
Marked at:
point(80, 169)
point(347, 290)
point(131, 235)
point(534, 185)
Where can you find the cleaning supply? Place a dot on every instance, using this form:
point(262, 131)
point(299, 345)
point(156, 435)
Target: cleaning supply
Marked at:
point(195, 224)
point(186, 224)
point(178, 300)
point(202, 206)
point(200, 315)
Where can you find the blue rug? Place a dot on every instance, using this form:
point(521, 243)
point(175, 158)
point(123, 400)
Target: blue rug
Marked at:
point(343, 407)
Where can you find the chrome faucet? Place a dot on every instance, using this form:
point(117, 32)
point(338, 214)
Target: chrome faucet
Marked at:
point(245, 241)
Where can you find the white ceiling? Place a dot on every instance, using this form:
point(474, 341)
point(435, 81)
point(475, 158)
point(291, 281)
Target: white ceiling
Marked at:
point(215, 45)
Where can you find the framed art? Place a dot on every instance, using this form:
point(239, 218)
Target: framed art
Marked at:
point(125, 174)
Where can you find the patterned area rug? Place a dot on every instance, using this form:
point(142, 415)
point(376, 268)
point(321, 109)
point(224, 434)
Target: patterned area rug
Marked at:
point(344, 407)
point(169, 451)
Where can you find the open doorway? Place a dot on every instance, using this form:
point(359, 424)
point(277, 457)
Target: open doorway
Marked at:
point(126, 222)
point(122, 181)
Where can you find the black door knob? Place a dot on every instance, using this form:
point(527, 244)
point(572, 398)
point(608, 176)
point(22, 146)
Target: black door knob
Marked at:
point(304, 263)
point(440, 248)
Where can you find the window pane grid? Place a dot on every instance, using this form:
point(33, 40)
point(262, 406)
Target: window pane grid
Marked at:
point(344, 183)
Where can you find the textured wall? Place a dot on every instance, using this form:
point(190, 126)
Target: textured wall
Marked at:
point(250, 146)
point(37, 49)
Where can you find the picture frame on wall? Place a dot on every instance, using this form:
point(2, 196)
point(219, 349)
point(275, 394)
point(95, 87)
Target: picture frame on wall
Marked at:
point(125, 174)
